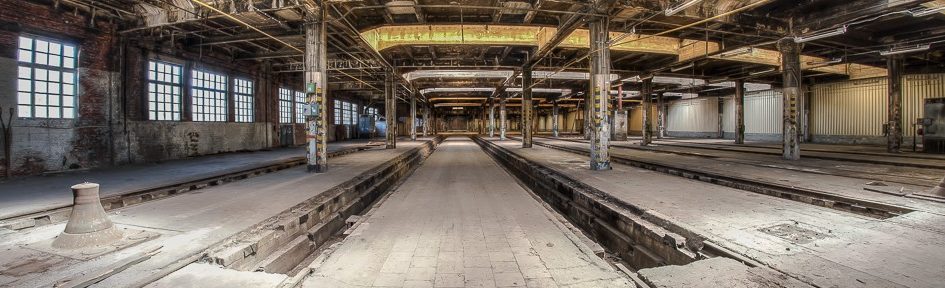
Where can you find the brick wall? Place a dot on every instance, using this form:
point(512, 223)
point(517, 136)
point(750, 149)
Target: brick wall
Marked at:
point(111, 127)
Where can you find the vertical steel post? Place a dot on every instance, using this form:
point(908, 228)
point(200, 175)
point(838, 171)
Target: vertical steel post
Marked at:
point(527, 107)
point(413, 117)
point(426, 119)
point(739, 111)
point(894, 104)
point(502, 114)
point(390, 109)
point(554, 118)
point(316, 79)
point(791, 63)
point(660, 116)
point(645, 95)
point(492, 117)
point(599, 93)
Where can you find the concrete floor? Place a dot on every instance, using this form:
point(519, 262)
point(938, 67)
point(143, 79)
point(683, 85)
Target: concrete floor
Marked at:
point(844, 178)
point(36, 193)
point(188, 223)
point(461, 221)
point(847, 250)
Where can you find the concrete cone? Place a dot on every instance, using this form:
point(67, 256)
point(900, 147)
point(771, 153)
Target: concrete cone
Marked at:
point(939, 190)
point(88, 225)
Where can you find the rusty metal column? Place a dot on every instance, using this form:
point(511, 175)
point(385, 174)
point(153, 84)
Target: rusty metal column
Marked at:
point(492, 117)
point(426, 119)
point(645, 94)
point(739, 111)
point(554, 118)
point(791, 63)
point(894, 104)
point(413, 117)
point(620, 117)
point(390, 109)
point(316, 78)
point(660, 116)
point(598, 94)
point(527, 120)
point(502, 114)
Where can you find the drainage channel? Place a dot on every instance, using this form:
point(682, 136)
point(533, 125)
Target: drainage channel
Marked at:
point(284, 244)
point(808, 196)
point(61, 214)
point(645, 241)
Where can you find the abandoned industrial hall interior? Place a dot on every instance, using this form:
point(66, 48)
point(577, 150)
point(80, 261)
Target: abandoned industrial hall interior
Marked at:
point(472, 143)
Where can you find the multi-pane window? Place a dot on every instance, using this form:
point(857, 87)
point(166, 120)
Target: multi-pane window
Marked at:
point(345, 113)
point(47, 77)
point(300, 107)
point(243, 100)
point(208, 96)
point(164, 91)
point(285, 106)
point(337, 112)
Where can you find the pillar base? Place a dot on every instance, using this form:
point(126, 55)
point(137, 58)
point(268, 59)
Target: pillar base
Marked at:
point(317, 168)
point(67, 240)
point(600, 166)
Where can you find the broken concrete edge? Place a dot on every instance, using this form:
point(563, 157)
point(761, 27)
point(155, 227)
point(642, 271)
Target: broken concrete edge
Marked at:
point(318, 217)
point(272, 222)
point(634, 239)
point(859, 160)
point(803, 195)
point(56, 214)
point(575, 235)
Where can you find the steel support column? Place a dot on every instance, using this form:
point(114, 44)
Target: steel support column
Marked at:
point(426, 119)
point(894, 104)
point(791, 63)
point(645, 96)
point(527, 120)
point(316, 80)
point(554, 118)
point(660, 117)
point(502, 114)
point(491, 117)
point(390, 109)
point(599, 93)
point(413, 116)
point(739, 111)
point(620, 117)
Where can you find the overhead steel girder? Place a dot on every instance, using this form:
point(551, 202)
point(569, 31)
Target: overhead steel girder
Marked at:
point(385, 37)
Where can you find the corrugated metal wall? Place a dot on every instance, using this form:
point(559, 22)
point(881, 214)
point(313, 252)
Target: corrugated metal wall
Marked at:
point(849, 108)
point(763, 112)
point(917, 88)
point(693, 115)
point(859, 107)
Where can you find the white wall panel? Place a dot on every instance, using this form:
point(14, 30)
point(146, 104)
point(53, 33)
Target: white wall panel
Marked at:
point(849, 108)
point(693, 115)
point(917, 88)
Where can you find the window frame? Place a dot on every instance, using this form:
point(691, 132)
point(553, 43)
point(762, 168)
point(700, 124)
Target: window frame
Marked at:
point(243, 111)
point(31, 65)
point(204, 91)
point(153, 113)
point(286, 117)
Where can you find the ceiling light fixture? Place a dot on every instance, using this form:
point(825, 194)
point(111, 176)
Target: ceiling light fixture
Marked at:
point(680, 68)
point(926, 11)
point(680, 7)
point(736, 52)
point(766, 71)
point(822, 35)
point(906, 49)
